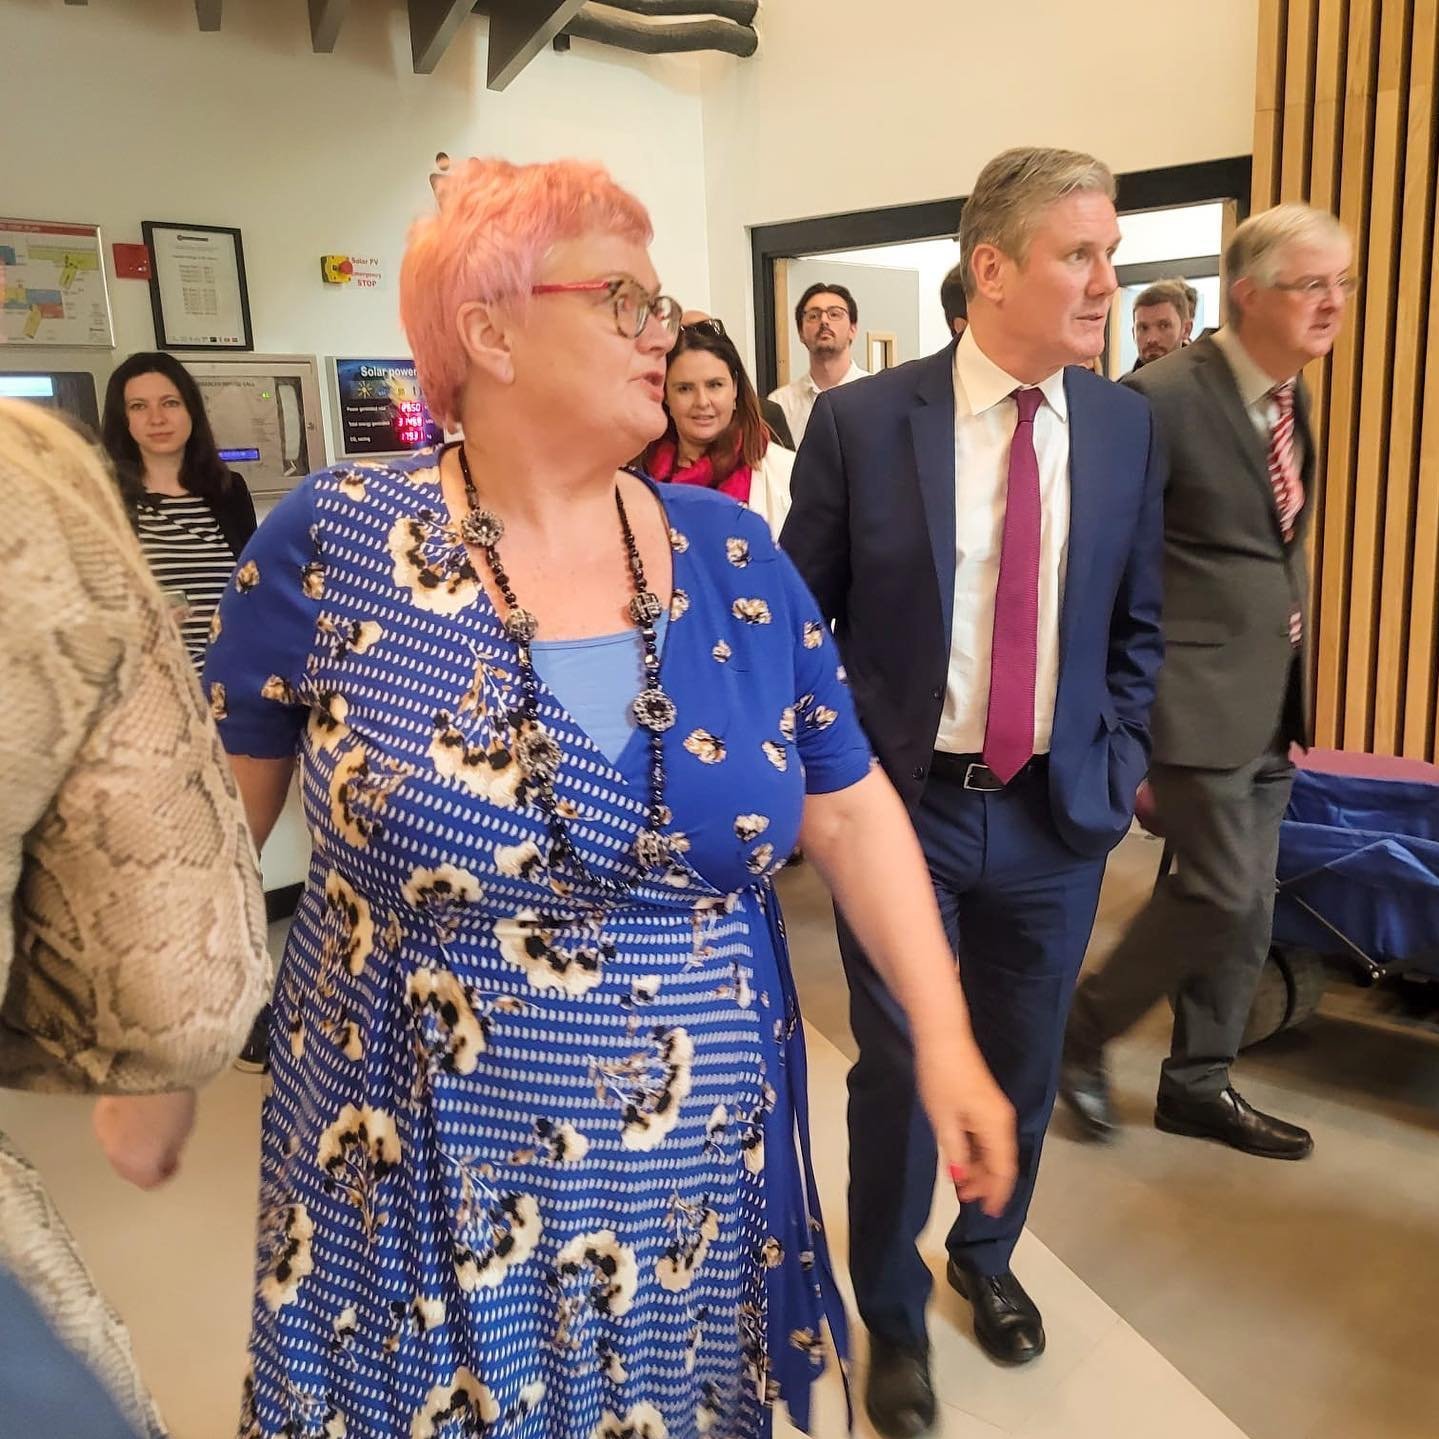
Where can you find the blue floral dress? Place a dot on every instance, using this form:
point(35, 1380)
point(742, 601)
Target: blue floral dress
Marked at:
point(535, 1160)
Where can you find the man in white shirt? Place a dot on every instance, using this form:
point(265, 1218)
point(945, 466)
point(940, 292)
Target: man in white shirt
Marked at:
point(983, 528)
point(1233, 697)
point(827, 319)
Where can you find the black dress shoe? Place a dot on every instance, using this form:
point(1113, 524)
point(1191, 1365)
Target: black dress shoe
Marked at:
point(1228, 1118)
point(1085, 1090)
point(899, 1394)
point(1006, 1321)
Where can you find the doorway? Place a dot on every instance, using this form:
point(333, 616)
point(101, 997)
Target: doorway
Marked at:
point(1176, 220)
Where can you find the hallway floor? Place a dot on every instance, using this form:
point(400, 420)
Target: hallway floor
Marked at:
point(1189, 1292)
point(1297, 1297)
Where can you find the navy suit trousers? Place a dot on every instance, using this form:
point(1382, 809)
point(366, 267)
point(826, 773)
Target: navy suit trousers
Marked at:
point(1018, 905)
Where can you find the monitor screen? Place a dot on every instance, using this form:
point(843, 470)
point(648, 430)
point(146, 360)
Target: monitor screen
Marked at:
point(72, 391)
point(28, 387)
point(379, 409)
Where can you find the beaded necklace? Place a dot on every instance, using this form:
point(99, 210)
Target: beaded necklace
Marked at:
point(652, 709)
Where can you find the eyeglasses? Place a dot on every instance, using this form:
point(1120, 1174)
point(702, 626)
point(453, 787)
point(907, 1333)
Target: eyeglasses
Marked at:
point(1316, 287)
point(632, 303)
point(708, 324)
point(834, 315)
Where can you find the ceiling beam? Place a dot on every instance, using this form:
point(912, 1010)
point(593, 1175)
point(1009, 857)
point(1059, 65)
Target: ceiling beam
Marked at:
point(207, 12)
point(519, 30)
point(433, 25)
point(326, 17)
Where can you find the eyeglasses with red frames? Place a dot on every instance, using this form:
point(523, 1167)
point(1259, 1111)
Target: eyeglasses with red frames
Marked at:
point(633, 305)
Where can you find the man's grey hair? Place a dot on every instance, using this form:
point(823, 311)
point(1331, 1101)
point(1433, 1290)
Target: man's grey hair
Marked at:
point(1014, 190)
point(1166, 292)
point(1257, 248)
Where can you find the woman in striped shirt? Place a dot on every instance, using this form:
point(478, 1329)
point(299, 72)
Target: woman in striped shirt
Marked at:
point(193, 514)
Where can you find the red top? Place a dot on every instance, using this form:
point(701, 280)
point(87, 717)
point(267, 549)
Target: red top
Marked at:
point(664, 465)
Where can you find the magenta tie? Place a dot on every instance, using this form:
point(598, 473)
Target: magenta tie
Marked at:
point(1009, 728)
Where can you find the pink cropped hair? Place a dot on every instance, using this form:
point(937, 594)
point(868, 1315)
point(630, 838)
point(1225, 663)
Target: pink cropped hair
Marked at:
point(495, 223)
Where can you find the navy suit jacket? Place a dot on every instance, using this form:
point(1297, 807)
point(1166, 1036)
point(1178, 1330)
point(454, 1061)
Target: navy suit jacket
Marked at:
point(872, 531)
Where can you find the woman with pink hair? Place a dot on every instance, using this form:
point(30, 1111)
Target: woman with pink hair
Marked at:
point(530, 1164)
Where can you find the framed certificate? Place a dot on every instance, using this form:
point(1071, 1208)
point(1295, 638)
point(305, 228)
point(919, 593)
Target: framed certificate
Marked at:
point(197, 287)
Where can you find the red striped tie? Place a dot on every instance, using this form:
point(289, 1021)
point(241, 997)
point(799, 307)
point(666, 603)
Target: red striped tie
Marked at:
point(1284, 479)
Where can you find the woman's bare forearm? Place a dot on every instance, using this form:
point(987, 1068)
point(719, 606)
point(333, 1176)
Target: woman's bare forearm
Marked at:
point(264, 785)
point(861, 841)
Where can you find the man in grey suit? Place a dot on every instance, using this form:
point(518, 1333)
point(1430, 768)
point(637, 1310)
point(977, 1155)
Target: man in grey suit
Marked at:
point(1232, 697)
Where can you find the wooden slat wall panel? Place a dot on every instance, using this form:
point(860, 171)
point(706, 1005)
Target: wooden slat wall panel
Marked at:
point(1377, 301)
point(1330, 604)
point(1421, 698)
point(1332, 28)
point(1347, 118)
point(1412, 288)
point(1269, 104)
point(1300, 37)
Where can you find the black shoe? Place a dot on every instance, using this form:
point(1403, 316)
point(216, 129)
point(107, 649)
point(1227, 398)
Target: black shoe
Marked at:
point(1228, 1118)
point(1084, 1087)
point(1006, 1321)
point(899, 1394)
point(255, 1057)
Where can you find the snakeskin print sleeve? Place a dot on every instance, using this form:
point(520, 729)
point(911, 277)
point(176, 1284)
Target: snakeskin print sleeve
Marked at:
point(136, 935)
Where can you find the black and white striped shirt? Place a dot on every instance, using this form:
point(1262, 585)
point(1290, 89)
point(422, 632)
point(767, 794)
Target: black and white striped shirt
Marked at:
point(187, 553)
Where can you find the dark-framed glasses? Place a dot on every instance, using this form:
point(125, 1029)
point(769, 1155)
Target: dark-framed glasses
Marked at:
point(709, 326)
point(835, 314)
point(1317, 287)
point(633, 305)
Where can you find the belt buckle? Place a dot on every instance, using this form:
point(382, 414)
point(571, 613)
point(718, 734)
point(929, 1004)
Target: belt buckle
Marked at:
point(981, 778)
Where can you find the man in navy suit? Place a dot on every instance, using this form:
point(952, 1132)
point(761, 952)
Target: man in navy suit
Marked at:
point(983, 528)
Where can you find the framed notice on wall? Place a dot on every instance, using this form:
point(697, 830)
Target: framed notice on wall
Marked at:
point(52, 285)
point(197, 287)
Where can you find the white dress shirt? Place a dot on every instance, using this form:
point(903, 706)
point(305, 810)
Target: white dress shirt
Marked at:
point(984, 423)
point(1256, 388)
point(797, 399)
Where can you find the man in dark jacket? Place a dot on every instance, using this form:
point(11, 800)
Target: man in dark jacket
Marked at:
point(1234, 419)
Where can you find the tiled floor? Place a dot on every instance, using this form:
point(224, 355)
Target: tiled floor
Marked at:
point(1097, 1380)
point(176, 1263)
point(1180, 1282)
point(1300, 1298)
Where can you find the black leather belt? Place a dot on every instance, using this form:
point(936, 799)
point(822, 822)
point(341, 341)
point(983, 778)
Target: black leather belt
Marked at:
point(970, 771)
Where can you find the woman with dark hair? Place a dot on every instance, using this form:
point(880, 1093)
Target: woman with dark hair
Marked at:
point(717, 436)
point(193, 515)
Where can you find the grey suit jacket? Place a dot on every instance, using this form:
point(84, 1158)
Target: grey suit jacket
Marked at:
point(1230, 682)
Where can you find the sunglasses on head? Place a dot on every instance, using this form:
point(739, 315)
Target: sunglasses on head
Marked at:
point(709, 325)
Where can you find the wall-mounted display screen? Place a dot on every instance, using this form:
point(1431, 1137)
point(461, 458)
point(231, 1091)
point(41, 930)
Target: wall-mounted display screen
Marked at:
point(379, 409)
point(72, 391)
point(265, 412)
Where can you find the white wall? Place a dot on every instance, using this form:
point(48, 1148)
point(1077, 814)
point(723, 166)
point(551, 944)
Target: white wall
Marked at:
point(118, 112)
point(850, 104)
point(121, 112)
